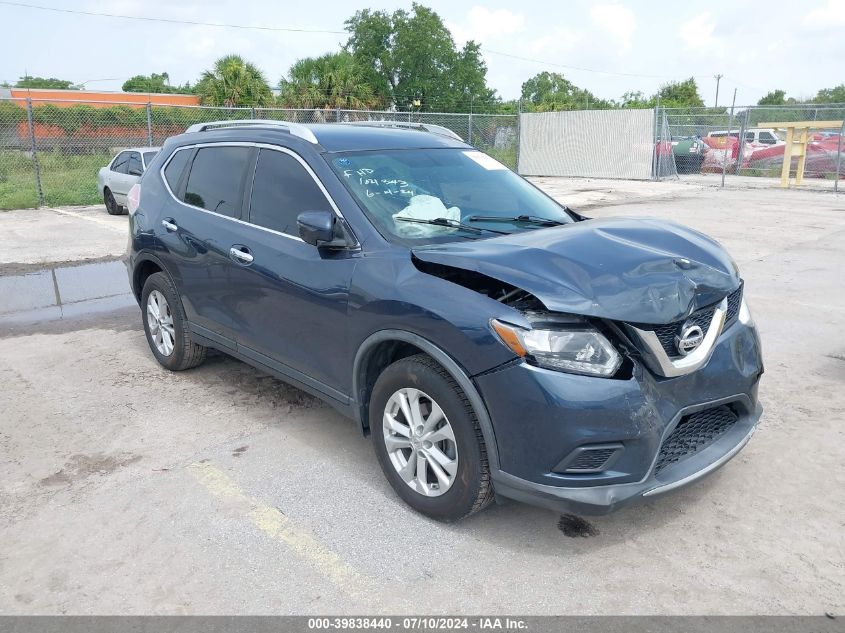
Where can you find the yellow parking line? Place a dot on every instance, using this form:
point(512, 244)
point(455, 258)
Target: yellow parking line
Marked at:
point(277, 526)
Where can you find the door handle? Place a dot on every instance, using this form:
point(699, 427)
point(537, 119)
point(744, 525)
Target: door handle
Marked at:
point(169, 225)
point(241, 255)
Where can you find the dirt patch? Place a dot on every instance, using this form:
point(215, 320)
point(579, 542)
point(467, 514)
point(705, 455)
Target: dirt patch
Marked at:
point(83, 466)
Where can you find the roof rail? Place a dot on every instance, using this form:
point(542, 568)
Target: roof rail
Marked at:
point(296, 129)
point(409, 125)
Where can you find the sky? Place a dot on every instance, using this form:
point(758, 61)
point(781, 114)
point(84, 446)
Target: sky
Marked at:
point(607, 47)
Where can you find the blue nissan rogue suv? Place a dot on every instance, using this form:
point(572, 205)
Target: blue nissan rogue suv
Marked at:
point(491, 341)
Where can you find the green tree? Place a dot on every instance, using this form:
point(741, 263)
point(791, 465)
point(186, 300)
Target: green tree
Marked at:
point(775, 97)
point(234, 82)
point(333, 80)
point(154, 83)
point(410, 56)
point(28, 81)
point(831, 95)
point(680, 94)
point(548, 92)
point(635, 99)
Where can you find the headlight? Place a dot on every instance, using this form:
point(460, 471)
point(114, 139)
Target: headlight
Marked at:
point(744, 313)
point(580, 351)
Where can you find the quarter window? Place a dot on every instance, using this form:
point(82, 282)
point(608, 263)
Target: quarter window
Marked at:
point(174, 169)
point(121, 163)
point(281, 190)
point(148, 157)
point(215, 180)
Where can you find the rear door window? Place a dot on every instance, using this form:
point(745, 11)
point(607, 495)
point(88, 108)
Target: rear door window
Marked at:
point(135, 168)
point(216, 179)
point(120, 163)
point(281, 190)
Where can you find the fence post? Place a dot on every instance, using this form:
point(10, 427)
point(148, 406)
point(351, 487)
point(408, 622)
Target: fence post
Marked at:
point(655, 170)
point(741, 149)
point(32, 144)
point(838, 157)
point(518, 130)
point(149, 124)
point(728, 138)
point(252, 113)
point(469, 140)
point(337, 115)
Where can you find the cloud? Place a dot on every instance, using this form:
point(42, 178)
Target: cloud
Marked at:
point(831, 14)
point(483, 25)
point(616, 19)
point(697, 33)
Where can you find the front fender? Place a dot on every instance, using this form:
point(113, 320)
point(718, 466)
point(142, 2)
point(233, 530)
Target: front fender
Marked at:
point(450, 364)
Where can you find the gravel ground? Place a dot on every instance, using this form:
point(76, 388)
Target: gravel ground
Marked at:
point(128, 489)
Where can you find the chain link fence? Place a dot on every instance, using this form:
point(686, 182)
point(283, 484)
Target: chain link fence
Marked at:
point(751, 141)
point(51, 151)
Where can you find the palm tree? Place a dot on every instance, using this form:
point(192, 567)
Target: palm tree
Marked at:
point(333, 80)
point(234, 82)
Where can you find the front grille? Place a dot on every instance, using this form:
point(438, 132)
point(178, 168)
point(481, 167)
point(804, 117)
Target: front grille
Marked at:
point(666, 333)
point(694, 433)
point(734, 301)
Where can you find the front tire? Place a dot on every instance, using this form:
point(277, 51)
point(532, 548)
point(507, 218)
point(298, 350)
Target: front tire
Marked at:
point(166, 327)
point(428, 441)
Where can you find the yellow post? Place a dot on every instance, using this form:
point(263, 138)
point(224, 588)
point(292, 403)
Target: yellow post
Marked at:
point(787, 158)
point(799, 171)
point(798, 149)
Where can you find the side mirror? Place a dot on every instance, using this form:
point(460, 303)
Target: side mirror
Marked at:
point(135, 172)
point(321, 229)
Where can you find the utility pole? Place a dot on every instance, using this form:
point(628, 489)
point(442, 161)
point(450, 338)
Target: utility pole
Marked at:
point(718, 79)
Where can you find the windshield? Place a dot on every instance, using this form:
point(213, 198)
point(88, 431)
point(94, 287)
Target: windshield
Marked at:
point(442, 195)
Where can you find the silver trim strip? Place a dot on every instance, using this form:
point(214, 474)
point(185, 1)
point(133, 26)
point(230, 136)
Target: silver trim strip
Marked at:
point(410, 125)
point(656, 358)
point(704, 471)
point(268, 146)
point(296, 129)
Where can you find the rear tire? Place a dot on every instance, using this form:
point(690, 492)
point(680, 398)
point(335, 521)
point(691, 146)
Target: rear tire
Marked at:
point(166, 326)
point(111, 204)
point(454, 480)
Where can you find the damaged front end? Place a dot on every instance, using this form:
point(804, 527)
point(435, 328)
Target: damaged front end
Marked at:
point(544, 338)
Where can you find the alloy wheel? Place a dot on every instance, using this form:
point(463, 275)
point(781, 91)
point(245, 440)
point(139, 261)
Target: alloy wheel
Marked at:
point(160, 322)
point(420, 442)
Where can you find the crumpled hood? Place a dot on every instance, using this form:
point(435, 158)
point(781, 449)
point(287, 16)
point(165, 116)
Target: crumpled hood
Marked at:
point(640, 270)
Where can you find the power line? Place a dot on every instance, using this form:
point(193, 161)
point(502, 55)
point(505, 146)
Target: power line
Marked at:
point(169, 20)
point(580, 68)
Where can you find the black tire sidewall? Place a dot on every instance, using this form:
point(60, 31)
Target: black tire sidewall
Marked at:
point(113, 208)
point(160, 282)
point(462, 497)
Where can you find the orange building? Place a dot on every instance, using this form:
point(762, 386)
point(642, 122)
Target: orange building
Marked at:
point(102, 99)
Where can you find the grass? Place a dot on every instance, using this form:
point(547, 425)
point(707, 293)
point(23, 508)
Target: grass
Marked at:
point(65, 180)
point(505, 155)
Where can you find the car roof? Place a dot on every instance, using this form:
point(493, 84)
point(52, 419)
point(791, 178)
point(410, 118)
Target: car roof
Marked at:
point(139, 149)
point(331, 137)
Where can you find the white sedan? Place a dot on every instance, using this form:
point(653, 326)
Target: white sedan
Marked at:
point(116, 179)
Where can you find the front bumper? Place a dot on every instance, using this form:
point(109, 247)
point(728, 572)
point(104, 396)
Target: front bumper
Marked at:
point(540, 416)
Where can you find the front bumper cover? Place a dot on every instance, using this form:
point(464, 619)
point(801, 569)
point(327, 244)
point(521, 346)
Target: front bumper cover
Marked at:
point(598, 500)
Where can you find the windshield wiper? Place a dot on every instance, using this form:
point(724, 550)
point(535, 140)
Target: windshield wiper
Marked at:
point(528, 219)
point(454, 224)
